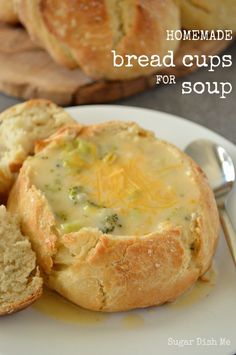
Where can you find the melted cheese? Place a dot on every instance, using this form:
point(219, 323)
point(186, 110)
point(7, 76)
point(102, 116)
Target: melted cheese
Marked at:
point(123, 184)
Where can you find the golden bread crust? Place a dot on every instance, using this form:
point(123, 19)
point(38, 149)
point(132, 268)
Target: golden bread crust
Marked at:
point(107, 272)
point(119, 274)
point(7, 12)
point(38, 217)
point(208, 15)
point(84, 33)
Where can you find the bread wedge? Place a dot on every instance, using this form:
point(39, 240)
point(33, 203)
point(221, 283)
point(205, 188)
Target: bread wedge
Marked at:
point(20, 127)
point(119, 219)
point(20, 282)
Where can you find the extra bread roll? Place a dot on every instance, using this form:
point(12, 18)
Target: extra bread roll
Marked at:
point(209, 15)
point(20, 127)
point(7, 12)
point(20, 282)
point(119, 219)
point(83, 33)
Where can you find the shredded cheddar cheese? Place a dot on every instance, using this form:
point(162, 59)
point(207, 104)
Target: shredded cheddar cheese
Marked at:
point(125, 185)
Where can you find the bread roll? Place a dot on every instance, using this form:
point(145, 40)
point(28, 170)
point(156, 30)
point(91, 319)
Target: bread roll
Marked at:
point(20, 127)
point(7, 12)
point(119, 219)
point(83, 33)
point(20, 282)
point(208, 14)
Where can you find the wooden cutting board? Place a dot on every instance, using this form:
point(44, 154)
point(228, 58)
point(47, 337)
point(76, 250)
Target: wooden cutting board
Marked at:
point(27, 71)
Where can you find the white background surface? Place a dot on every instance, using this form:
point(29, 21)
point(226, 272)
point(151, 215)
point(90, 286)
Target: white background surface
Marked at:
point(30, 332)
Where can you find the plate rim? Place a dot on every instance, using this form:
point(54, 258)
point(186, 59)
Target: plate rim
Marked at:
point(170, 116)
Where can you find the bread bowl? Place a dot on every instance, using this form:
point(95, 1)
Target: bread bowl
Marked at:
point(118, 218)
point(83, 33)
point(20, 281)
point(20, 127)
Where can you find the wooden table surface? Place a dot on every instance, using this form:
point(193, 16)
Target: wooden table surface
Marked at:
point(208, 110)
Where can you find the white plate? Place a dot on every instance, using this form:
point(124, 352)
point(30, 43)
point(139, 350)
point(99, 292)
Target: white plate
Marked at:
point(144, 331)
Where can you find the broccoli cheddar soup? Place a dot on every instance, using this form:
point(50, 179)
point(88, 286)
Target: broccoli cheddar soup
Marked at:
point(125, 182)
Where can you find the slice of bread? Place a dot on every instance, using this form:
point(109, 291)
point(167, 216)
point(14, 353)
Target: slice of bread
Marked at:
point(20, 282)
point(20, 127)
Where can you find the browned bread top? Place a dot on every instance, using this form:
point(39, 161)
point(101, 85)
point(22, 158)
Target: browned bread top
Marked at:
point(83, 33)
point(208, 14)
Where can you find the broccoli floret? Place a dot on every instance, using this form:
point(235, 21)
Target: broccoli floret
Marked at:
point(110, 223)
point(74, 192)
